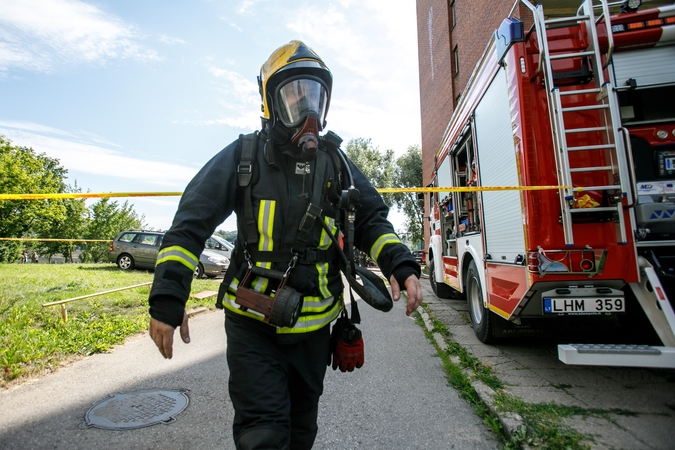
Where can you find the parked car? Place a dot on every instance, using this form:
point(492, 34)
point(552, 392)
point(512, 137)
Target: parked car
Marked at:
point(220, 245)
point(135, 249)
point(211, 264)
point(139, 248)
point(419, 257)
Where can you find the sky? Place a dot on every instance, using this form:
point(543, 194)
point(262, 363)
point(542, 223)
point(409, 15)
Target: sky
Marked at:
point(135, 96)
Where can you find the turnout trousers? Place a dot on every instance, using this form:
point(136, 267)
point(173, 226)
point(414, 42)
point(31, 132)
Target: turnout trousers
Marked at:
point(275, 384)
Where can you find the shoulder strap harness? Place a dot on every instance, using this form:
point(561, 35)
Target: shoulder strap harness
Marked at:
point(248, 146)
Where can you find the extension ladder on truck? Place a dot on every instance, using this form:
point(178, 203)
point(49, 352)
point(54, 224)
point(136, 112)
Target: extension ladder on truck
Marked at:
point(607, 137)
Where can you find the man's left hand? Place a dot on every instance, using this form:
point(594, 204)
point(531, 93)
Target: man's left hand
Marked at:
point(414, 290)
point(162, 334)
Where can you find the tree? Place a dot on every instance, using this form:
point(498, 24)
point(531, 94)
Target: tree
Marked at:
point(229, 236)
point(383, 172)
point(106, 220)
point(71, 227)
point(377, 167)
point(409, 174)
point(25, 172)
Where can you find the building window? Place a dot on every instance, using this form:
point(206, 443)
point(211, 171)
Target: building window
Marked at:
point(455, 60)
point(453, 15)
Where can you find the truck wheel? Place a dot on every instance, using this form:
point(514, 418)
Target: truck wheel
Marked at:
point(441, 290)
point(481, 317)
point(286, 307)
point(125, 262)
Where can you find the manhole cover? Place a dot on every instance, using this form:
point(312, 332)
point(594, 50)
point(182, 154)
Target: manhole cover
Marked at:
point(137, 409)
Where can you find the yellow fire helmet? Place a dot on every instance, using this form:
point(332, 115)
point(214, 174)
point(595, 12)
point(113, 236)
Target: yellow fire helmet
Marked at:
point(294, 82)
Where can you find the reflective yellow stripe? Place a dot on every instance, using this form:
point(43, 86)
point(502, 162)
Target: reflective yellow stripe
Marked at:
point(389, 238)
point(234, 284)
point(317, 313)
point(266, 242)
point(325, 240)
point(179, 254)
point(322, 267)
point(322, 278)
point(313, 322)
point(266, 225)
point(229, 303)
point(312, 305)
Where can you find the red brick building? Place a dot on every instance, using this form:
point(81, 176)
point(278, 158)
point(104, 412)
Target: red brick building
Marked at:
point(452, 35)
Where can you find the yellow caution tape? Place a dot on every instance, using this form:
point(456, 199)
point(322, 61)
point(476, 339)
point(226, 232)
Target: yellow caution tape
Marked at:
point(471, 189)
point(55, 240)
point(88, 195)
point(381, 190)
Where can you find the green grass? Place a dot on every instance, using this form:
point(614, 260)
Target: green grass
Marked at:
point(456, 376)
point(35, 338)
point(544, 423)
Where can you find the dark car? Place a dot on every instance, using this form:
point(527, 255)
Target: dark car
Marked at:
point(136, 249)
point(419, 257)
point(139, 248)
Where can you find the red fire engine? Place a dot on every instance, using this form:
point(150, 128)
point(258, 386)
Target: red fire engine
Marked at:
point(560, 163)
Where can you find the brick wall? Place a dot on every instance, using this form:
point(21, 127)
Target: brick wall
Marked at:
point(476, 20)
point(436, 82)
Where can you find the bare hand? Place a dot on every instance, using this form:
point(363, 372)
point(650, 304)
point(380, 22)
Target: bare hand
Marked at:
point(414, 290)
point(162, 334)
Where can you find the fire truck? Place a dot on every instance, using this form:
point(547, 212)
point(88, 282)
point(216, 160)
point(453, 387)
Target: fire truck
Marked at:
point(553, 190)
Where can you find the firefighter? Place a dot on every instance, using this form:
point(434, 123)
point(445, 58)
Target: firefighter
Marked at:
point(290, 205)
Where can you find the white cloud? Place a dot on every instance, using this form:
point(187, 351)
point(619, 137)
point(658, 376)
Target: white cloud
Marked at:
point(244, 122)
point(164, 39)
point(246, 6)
point(239, 97)
point(86, 158)
point(371, 48)
point(39, 35)
point(236, 84)
point(35, 127)
point(352, 115)
point(30, 127)
point(98, 139)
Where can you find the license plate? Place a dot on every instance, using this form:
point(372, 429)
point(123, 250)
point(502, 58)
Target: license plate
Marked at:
point(584, 306)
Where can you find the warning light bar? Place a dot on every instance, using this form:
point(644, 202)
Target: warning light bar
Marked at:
point(641, 25)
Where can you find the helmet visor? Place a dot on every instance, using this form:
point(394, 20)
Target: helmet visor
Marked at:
point(299, 97)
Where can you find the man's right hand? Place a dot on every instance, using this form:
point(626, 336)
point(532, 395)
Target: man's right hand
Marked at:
point(162, 334)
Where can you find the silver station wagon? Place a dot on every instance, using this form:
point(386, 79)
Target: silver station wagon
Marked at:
point(138, 249)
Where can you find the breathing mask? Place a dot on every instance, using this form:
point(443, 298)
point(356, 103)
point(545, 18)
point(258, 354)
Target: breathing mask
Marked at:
point(295, 87)
point(301, 106)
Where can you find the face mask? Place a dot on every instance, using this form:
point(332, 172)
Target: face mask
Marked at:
point(307, 139)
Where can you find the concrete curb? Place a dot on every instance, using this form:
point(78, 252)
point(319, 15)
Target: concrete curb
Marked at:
point(197, 311)
point(511, 422)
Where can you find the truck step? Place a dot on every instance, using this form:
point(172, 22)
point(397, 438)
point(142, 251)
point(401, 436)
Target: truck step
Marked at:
point(617, 355)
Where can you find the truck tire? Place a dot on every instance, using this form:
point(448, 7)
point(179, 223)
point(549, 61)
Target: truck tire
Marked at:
point(481, 317)
point(441, 290)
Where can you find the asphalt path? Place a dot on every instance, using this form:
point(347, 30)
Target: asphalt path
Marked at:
point(400, 399)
